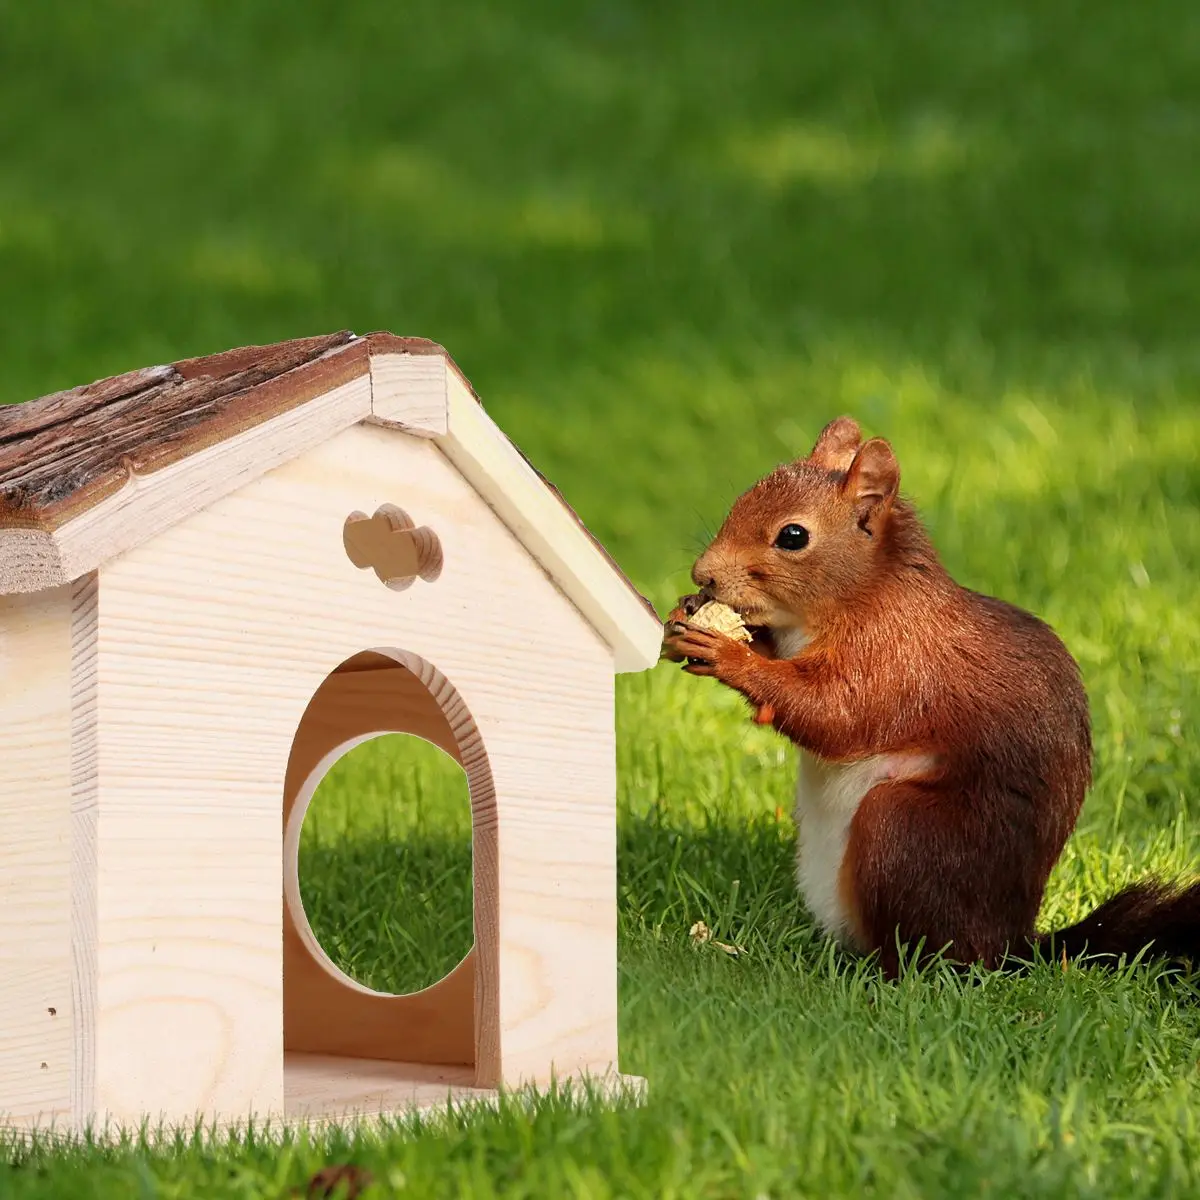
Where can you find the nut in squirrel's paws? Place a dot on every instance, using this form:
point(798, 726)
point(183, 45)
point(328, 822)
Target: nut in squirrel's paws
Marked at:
point(705, 650)
point(720, 618)
point(712, 616)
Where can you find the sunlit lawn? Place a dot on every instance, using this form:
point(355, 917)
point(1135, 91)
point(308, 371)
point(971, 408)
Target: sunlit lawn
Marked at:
point(667, 242)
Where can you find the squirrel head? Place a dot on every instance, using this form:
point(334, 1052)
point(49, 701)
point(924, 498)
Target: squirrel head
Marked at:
point(810, 535)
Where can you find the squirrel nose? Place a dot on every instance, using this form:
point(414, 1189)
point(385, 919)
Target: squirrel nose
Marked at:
point(704, 572)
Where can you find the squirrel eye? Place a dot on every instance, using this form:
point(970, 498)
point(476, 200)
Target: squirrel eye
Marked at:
point(791, 537)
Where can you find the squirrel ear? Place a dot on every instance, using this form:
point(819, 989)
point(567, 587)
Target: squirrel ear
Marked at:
point(836, 445)
point(872, 482)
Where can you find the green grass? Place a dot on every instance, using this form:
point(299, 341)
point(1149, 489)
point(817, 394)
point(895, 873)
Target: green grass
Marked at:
point(385, 863)
point(667, 242)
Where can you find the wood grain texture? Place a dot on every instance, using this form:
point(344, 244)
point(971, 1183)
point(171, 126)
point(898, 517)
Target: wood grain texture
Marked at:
point(265, 362)
point(485, 864)
point(35, 862)
point(19, 423)
point(338, 1089)
point(65, 451)
point(325, 1011)
point(148, 504)
point(85, 782)
point(551, 531)
point(188, 999)
point(212, 645)
point(408, 391)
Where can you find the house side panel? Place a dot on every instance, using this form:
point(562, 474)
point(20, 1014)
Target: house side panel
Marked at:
point(213, 639)
point(35, 857)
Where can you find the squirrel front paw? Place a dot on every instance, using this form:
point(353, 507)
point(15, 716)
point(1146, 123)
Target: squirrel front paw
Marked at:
point(705, 651)
point(677, 617)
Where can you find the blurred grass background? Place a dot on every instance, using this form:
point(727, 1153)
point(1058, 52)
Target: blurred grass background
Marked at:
point(667, 242)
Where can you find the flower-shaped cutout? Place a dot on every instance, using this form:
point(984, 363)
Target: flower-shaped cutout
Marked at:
point(393, 546)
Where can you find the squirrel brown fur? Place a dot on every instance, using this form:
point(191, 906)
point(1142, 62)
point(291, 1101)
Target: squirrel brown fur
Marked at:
point(945, 736)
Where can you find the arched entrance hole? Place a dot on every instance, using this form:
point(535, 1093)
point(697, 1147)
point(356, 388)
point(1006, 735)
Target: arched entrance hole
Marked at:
point(326, 1011)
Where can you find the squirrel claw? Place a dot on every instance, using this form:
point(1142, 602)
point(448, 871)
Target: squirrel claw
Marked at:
point(672, 630)
point(691, 643)
point(705, 651)
point(686, 607)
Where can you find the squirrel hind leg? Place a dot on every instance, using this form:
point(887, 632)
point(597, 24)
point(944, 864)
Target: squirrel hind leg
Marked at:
point(915, 875)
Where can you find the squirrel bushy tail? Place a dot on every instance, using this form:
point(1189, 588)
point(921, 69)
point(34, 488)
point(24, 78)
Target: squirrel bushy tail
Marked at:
point(1161, 918)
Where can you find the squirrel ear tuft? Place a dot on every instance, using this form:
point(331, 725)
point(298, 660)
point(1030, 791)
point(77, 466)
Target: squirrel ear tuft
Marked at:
point(872, 482)
point(836, 445)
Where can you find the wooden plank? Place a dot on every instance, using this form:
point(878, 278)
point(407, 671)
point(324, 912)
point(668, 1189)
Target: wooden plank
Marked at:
point(62, 453)
point(188, 928)
point(408, 391)
point(189, 995)
point(493, 465)
point(557, 864)
point(263, 362)
point(148, 504)
point(20, 422)
point(339, 1089)
point(35, 865)
point(85, 781)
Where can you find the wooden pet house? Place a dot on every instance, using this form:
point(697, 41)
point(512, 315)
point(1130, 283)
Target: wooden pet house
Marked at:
point(216, 577)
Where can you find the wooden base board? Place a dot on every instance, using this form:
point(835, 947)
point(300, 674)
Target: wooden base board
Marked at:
point(326, 1090)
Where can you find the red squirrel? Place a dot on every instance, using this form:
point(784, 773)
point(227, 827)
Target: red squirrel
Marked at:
point(945, 738)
